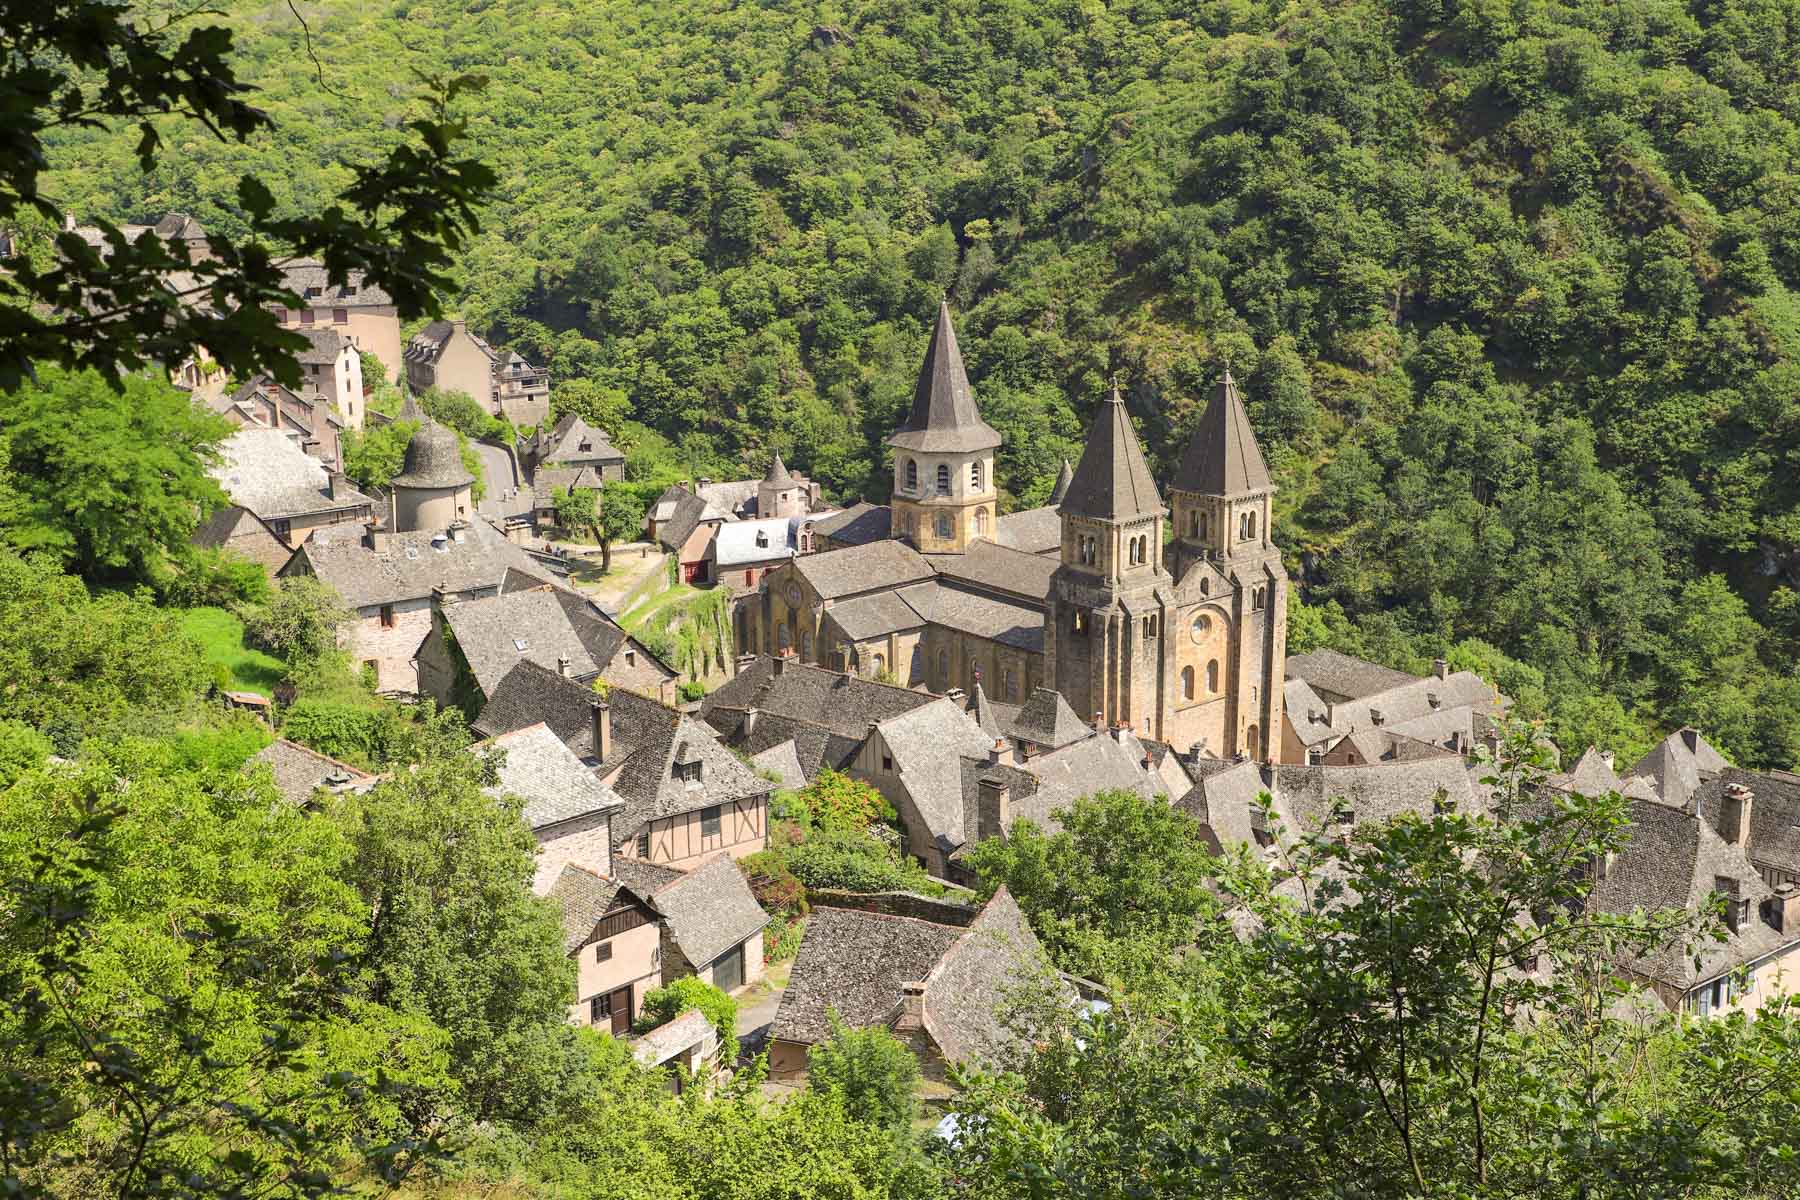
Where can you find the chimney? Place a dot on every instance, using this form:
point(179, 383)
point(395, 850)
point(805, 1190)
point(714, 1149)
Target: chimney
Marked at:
point(1734, 814)
point(993, 806)
point(1782, 910)
point(1375, 716)
point(1433, 699)
point(1118, 732)
point(996, 751)
point(1099, 721)
point(957, 695)
point(749, 724)
point(375, 536)
point(780, 664)
point(1440, 667)
point(1456, 741)
point(1726, 886)
point(912, 1006)
point(337, 484)
point(441, 595)
point(562, 666)
point(69, 222)
point(601, 713)
point(704, 481)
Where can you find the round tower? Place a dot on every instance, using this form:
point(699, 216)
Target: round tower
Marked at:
point(433, 487)
point(779, 494)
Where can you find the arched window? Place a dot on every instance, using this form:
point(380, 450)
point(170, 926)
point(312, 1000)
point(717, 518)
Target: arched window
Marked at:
point(912, 473)
point(1012, 684)
point(806, 645)
point(1212, 677)
point(1251, 738)
point(1252, 532)
point(1199, 524)
point(944, 478)
point(879, 662)
point(1187, 683)
point(980, 522)
point(975, 476)
point(1243, 526)
point(1205, 586)
point(943, 667)
point(781, 636)
point(943, 525)
point(1131, 551)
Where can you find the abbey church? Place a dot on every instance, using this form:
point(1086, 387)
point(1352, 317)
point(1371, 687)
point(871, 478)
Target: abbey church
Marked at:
point(1183, 644)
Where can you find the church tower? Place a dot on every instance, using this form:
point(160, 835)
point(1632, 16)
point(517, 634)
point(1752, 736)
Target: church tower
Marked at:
point(1106, 641)
point(1231, 654)
point(944, 492)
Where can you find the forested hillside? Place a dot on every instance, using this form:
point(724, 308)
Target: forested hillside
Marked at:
point(1508, 285)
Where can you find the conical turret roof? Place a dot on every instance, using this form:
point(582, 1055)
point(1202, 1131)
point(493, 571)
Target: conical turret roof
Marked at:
point(944, 416)
point(433, 460)
point(410, 410)
point(1063, 479)
point(1112, 481)
point(778, 475)
point(1222, 458)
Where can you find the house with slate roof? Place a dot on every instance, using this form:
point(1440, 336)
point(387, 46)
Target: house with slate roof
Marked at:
point(1344, 711)
point(565, 805)
point(301, 773)
point(474, 643)
point(825, 715)
point(941, 988)
point(446, 356)
point(331, 370)
point(265, 471)
point(686, 795)
point(241, 532)
point(264, 404)
point(358, 312)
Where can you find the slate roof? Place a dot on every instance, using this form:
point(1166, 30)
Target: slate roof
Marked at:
point(562, 442)
point(972, 984)
point(1112, 481)
point(777, 475)
point(875, 566)
point(1009, 622)
point(433, 459)
point(987, 567)
point(1222, 458)
point(685, 513)
point(1592, 775)
point(546, 479)
point(1224, 801)
point(650, 738)
point(1047, 720)
point(1341, 675)
point(926, 745)
point(783, 760)
point(265, 472)
point(582, 896)
point(299, 772)
point(323, 345)
point(542, 625)
point(677, 1036)
point(303, 274)
point(413, 564)
point(1306, 712)
point(1060, 488)
point(1377, 792)
point(854, 962)
point(845, 705)
point(1678, 764)
point(1774, 813)
point(528, 694)
point(1080, 769)
point(551, 779)
point(729, 498)
point(858, 525)
point(709, 909)
point(222, 524)
point(944, 416)
point(1033, 530)
point(874, 616)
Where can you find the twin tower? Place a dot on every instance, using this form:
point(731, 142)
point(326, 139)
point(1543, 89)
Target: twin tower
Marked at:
point(1187, 643)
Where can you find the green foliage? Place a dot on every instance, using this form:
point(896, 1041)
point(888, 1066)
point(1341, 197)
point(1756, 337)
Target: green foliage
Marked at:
point(664, 1004)
point(835, 803)
point(221, 637)
point(690, 631)
point(461, 412)
point(575, 510)
point(109, 475)
point(853, 862)
point(374, 734)
point(375, 454)
point(870, 1072)
point(22, 749)
point(76, 665)
point(217, 578)
point(301, 622)
point(692, 690)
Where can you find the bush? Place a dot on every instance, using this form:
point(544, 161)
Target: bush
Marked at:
point(773, 885)
point(300, 622)
point(693, 691)
point(666, 1003)
point(213, 578)
point(853, 862)
point(22, 749)
point(839, 804)
point(781, 940)
point(339, 730)
point(870, 1072)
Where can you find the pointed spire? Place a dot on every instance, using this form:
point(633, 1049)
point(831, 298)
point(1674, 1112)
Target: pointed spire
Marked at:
point(984, 712)
point(1222, 458)
point(410, 410)
point(778, 475)
point(1112, 481)
point(1063, 479)
point(944, 416)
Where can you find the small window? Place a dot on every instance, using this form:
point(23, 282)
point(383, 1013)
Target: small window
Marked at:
point(709, 821)
point(912, 473)
point(1012, 684)
point(943, 525)
point(943, 478)
point(1212, 677)
point(340, 316)
point(975, 475)
point(314, 293)
point(279, 527)
point(643, 845)
point(387, 616)
point(887, 763)
point(981, 521)
point(688, 772)
point(599, 1010)
point(603, 952)
point(1187, 683)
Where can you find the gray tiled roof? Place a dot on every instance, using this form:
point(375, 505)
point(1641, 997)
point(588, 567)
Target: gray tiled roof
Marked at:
point(1009, 622)
point(783, 761)
point(528, 694)
point(554, 783)
point(1033, 530)
point(1679, 764)
point(1377, 792)
point(263, 470)
point(709, 909)
point(729, 497)
point(223, 524)
point(737, 542)
point(1307, 712)
point(1080, 769)
point(943, 416)
point(777, 475)
point(875, 566)
point(323, 346)
point(859, 524)
point(686, 513)
point(926, 744)
point(562, 442)
point(542, 625)
point(676, 1036)
point(1224, 801)
point(1046, 719)
point(433, 459)
point(985, 566)
point(303, 274)
point(854, 963)
point(874, 616)
point(1343, 675)
point(973, 984)
point(583, 897)
point(1222, 458)
point(299, 772)
point(1060, 488)
point(1774, 813)
point(413, 564)
point(1112, 480)
point(844, 704)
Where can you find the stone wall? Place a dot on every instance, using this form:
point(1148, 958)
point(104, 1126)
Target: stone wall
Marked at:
point(896, 904)
point(586, 842)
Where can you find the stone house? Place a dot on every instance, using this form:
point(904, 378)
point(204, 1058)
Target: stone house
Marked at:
point(389, 580)
point(857, 525)
point(446, 356)
point(242, 533)
point(1344, 711)
point(474, 643)
point(686, 795)
point(331, 370)
point(941, 987)
point(686, 1047)
point(360, 313)
point(300, 773)
point(266, 472)
point(569, 445)
point(824, 715)
point(740, 553)
point(684, 524)
point(264, 404)
point(566, 807)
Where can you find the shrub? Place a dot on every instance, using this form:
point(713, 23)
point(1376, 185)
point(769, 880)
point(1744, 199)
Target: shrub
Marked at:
point(839, 804)
point(344, 731)
point(853, 863)
point(666, 1003)
point(781, 940)
point(870, 1071)
point(693, 691)
point(215, 578)
point(300, 622)
point(773, 885)
point(22, 749)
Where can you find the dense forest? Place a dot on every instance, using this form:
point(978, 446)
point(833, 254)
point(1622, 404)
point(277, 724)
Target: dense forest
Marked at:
point(1509, 285)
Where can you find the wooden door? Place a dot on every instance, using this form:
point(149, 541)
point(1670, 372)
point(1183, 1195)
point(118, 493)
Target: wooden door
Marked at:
point(613, 1011)
point(728, 972)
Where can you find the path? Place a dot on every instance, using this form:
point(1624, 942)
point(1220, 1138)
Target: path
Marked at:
point(506, 495)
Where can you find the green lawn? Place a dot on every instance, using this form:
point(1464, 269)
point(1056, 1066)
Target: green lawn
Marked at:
point(642, 612)
point(221, 635)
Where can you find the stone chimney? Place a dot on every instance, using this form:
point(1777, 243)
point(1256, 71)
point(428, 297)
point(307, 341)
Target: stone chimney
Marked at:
point(957, 695)
point(1727, 887)
point(1440, 667)
point(1734, 814)
point(749, 725)
point(1781, 912)
point(1099, 721)
point(1118, 732)
point(563, 666)
point(912, 1006)
point(780, 664)
point(601, 714)
point(996, 752)
point(993, 807)
point(441, 595)
point(375, 536)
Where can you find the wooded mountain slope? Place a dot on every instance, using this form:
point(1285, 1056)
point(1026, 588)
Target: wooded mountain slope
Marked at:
point(1508, 284)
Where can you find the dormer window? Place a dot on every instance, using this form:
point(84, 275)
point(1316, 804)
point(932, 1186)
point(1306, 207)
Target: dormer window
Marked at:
point(688, 772)
point(762, 540)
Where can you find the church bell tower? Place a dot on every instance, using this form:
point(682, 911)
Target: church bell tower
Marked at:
point(944, 493)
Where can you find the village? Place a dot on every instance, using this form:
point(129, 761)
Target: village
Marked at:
point(974, 668)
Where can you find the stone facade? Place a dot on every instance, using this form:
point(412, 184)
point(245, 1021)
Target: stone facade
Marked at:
point(389, 635)
point(586, 840)
point(942, 502)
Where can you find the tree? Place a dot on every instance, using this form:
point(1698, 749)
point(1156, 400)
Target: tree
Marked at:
point(373, 456)
point(838, 803)
point(602, 407)
point(456, 936)
point(575, 509)
point(301, 622)
point(88, 65)
point(690, 992)
point(870, 1072)
point(109, 475)
point(621, 518)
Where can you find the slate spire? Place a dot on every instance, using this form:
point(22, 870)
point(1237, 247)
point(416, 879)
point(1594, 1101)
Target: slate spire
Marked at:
point(410, 410)
point(1062, 484)
point(778, 475)
point(1222, 458)
point(944, 417)
point(1112, 481)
